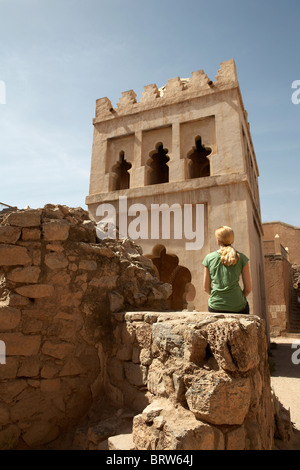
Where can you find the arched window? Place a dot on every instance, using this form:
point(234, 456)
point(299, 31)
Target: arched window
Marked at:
point(198, 163)
point(121, 173)
point(158, 170)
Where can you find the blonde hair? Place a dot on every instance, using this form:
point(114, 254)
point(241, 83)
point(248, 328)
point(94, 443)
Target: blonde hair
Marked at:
point(229, 255)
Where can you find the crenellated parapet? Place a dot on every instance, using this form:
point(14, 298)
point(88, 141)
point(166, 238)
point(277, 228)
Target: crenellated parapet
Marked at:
point(176, 90)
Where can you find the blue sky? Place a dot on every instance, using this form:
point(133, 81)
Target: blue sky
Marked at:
point(58, 57)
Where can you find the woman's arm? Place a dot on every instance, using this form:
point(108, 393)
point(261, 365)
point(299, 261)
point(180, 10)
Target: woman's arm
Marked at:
point(206, 281)
point(246, 280)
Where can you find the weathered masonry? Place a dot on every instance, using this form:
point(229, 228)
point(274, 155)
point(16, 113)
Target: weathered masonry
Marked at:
point(187, 144)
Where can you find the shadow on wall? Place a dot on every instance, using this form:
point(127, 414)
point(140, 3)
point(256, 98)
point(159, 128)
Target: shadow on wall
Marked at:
point(169, 271)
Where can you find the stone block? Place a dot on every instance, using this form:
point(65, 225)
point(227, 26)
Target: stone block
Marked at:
point(36, 291)
point(40, 432)
point(29, 401)
point(11, 255)
point(49, 371)
point(145, 357)
point(135, 374)
point(165, 427)
point(9, 390)
point(30, 274)
point(58, 350)
point(10, 369)
point(18, 344)
point(29, 367)
point(143, 335)
point(28, 218)
point(134, 316)
point(72, 367)
point(31, 234)
point(56, 230)
point(60, 278)
point(128, 333)
point(165, 340)
point(50, 385)
point(219, 399)
point(88, 265)
point(121, 442)
point(9, 234)
point(31, 325)
point(9, 318)
point(82, 234)
point(234, 343)
point(15, 300)
point(4, 415)
point(56, 261)
point(195, 346)
point(124, 352)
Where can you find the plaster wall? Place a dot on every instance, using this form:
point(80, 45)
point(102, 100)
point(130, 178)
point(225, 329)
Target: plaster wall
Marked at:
point(175, 117)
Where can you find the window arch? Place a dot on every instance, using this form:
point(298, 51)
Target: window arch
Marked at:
point(158, 170)
point(198, 163)
point(121, 175)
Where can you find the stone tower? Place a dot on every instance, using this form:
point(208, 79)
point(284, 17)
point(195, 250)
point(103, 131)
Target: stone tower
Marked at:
point(181, 156)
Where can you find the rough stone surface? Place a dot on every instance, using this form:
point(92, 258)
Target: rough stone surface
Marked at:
point(24, 218)
point(205, 381)
point(9, 234)
point(11, 255)
point(58, 288)
point(169, 427)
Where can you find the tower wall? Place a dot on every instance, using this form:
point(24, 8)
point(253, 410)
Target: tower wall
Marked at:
point(174, 133)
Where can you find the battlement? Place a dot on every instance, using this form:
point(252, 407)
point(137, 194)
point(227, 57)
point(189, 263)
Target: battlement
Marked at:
point(176, 90)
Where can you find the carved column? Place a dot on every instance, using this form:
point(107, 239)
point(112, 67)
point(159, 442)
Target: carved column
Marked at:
point(176, 164)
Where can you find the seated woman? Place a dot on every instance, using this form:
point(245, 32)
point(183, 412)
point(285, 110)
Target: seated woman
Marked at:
point(222, 270)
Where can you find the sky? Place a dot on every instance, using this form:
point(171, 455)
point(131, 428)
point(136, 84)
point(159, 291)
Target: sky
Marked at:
point(58, 56)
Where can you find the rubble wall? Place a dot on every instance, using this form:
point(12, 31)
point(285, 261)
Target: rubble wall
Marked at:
point(204, 376)
point(58, 288)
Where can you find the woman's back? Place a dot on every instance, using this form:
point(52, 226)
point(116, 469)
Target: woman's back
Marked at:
point(226, 293)
point(222, 275)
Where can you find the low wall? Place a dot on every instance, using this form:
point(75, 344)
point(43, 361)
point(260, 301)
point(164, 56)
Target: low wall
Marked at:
point(196, 380)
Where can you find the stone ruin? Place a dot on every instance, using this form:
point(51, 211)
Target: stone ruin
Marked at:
point(94, 361)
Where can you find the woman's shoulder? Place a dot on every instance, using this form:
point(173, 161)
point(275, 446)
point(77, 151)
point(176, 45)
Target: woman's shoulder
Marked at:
point(210, 256)
point(244, 259)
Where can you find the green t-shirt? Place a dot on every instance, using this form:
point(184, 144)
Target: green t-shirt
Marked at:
point(226, 294)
